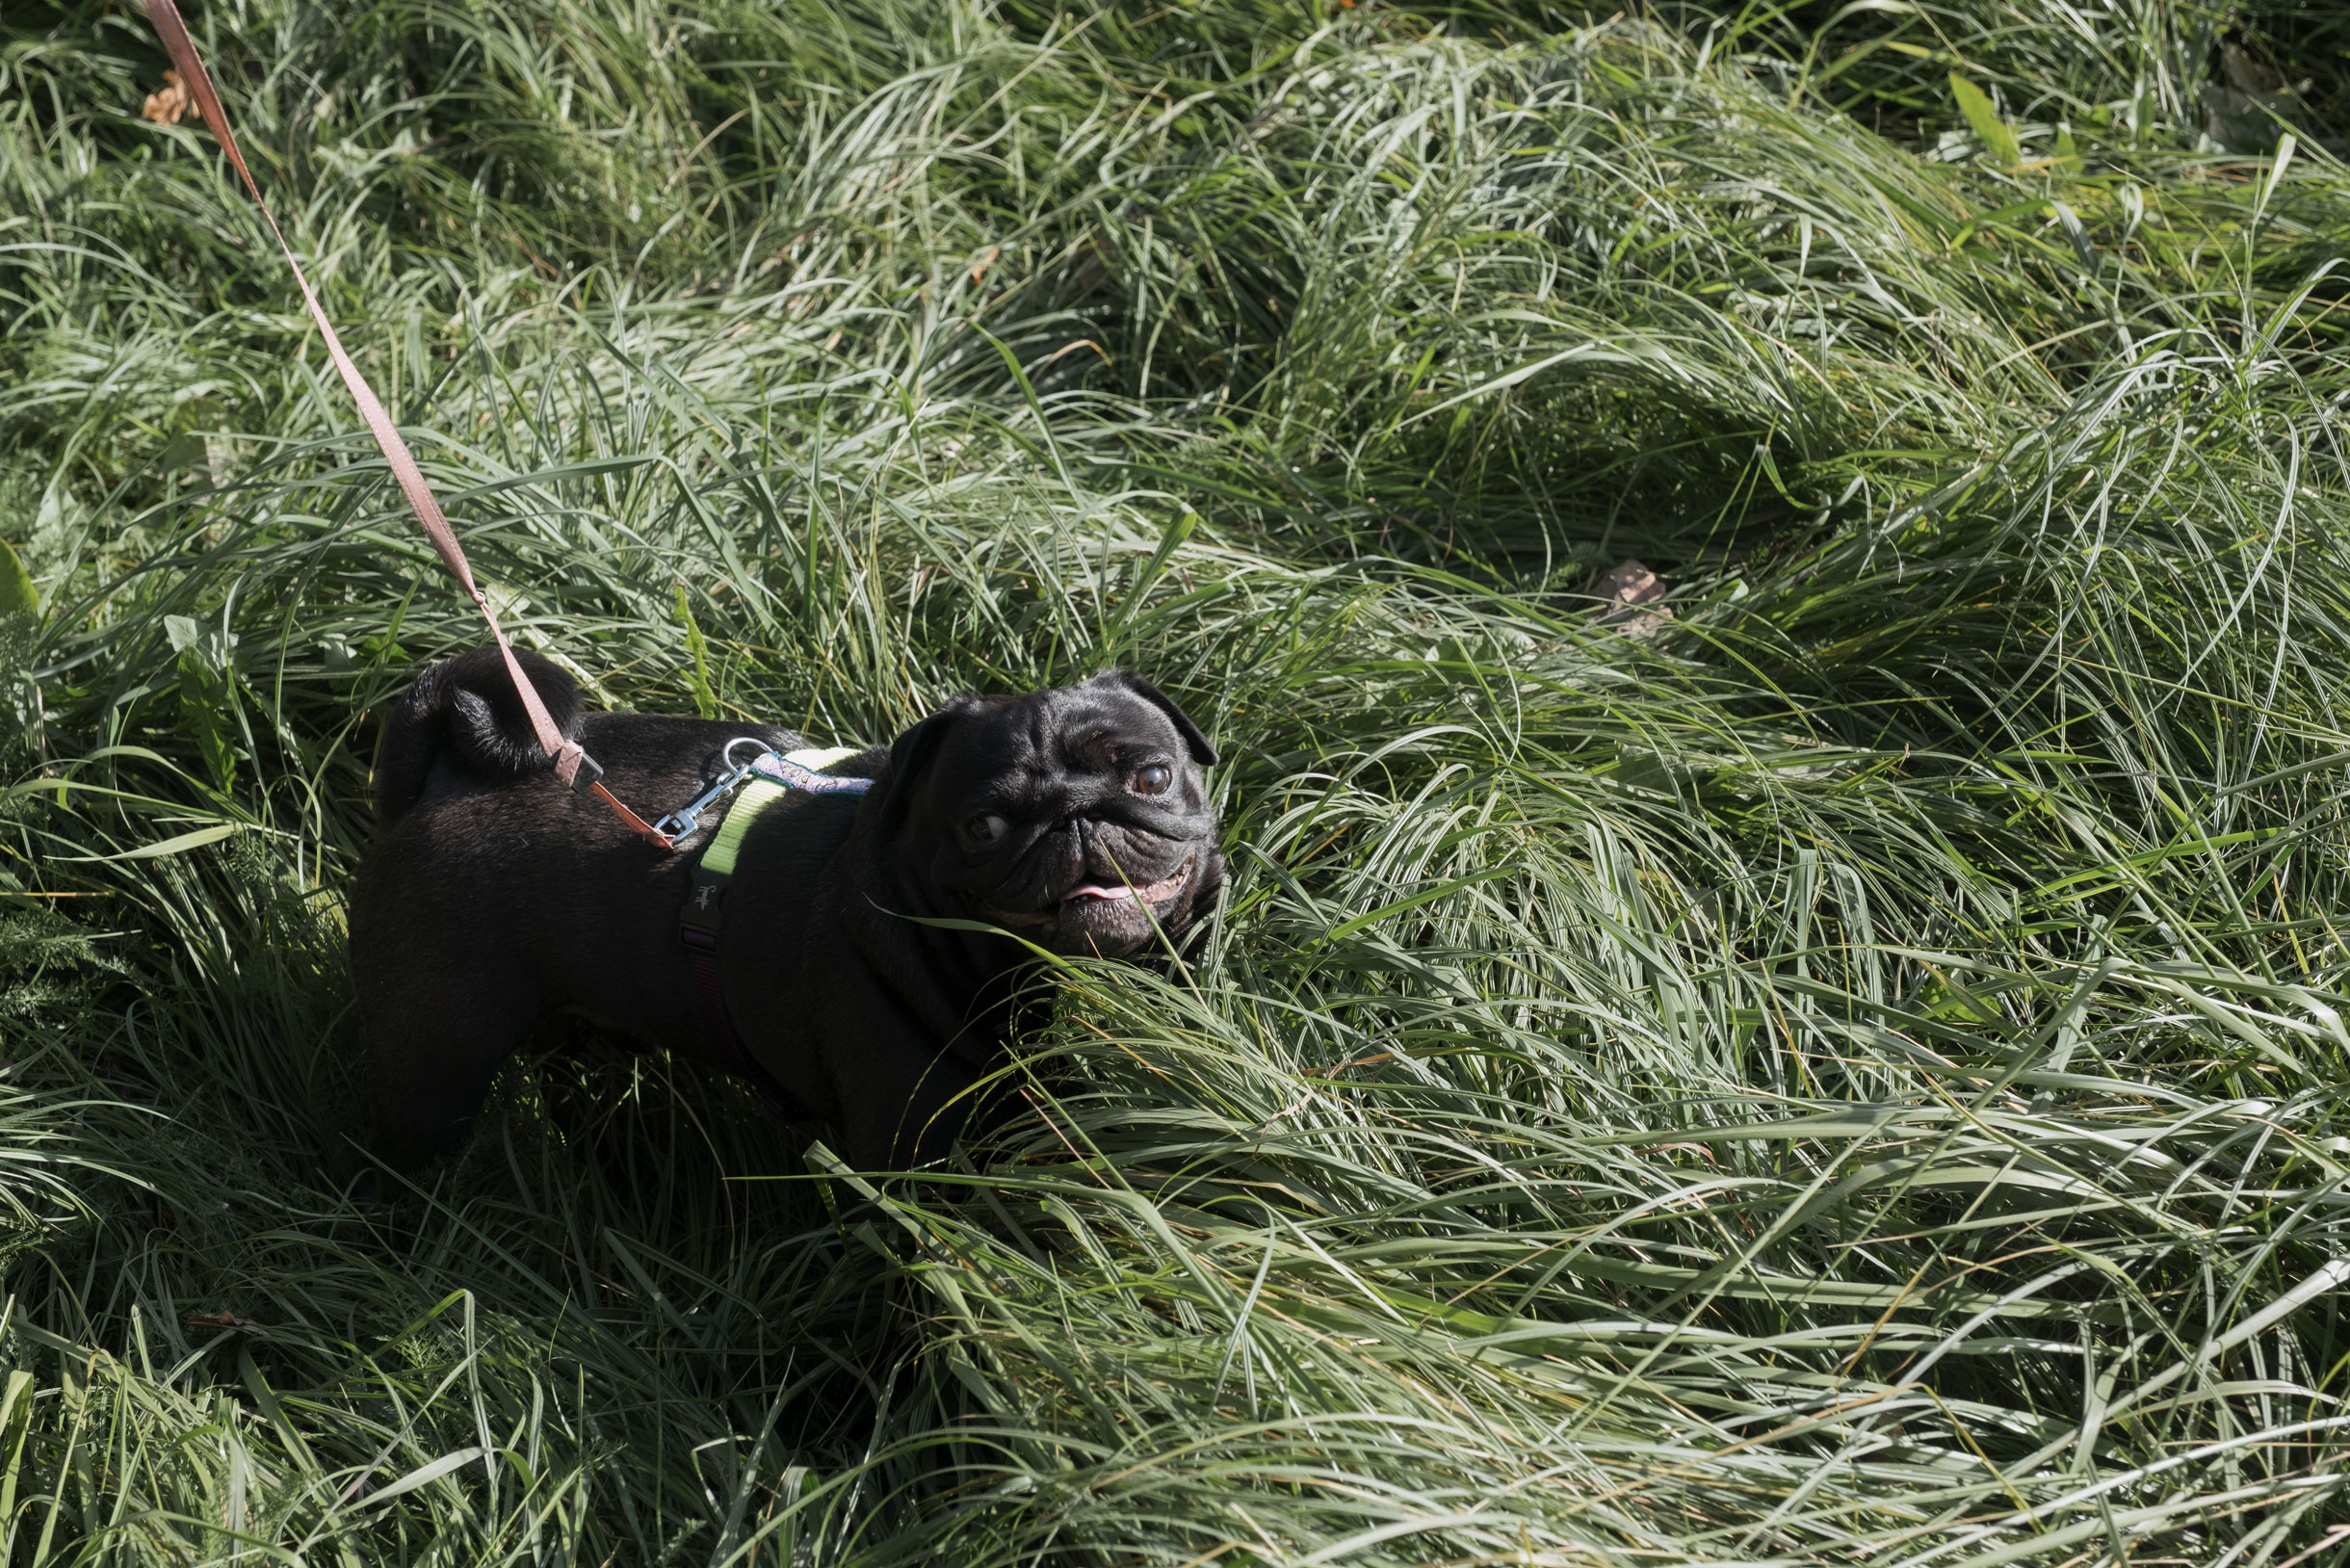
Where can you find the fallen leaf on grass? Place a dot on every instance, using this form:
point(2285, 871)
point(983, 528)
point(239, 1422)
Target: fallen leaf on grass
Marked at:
point(172, 105)
point(216, 1319)
point(1622, 591)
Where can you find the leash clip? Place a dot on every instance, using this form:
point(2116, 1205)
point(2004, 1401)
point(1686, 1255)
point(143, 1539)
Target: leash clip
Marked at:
point(680, 824)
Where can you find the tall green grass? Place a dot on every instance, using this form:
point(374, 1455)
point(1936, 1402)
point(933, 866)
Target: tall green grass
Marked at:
point(1850, 1072)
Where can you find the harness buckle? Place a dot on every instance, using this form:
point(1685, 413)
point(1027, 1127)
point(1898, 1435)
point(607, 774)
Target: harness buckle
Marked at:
point(583, 778)
point(705, 905)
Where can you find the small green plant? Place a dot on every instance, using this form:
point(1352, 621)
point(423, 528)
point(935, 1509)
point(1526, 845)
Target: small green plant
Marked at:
point(697, 651)
point(1982, 117)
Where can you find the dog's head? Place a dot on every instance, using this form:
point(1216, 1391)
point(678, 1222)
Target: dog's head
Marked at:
point(1074, 817)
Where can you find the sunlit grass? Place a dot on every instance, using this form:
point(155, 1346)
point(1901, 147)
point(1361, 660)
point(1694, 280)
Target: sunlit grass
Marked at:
point(1850, 1072)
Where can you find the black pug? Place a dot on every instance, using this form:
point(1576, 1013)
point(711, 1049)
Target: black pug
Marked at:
point(494, 896)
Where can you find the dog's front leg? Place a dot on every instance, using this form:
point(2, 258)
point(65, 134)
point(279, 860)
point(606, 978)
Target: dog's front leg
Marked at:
point(435, 1037)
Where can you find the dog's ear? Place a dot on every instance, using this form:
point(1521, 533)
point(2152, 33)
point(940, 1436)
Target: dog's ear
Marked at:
point(1201, 751)
point(910, 756)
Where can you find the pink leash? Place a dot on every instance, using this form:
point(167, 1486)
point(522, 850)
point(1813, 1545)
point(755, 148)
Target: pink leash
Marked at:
point(572, 764)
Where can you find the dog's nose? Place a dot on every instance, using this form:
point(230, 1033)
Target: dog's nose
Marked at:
point(1098, 860)
point(1061, 857)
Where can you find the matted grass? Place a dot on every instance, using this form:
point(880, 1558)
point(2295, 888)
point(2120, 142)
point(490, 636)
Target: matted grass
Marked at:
point(1852, 1072)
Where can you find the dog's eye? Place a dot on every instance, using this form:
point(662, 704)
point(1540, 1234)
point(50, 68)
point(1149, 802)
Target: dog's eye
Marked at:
point(1154, 779)
point(988, 827)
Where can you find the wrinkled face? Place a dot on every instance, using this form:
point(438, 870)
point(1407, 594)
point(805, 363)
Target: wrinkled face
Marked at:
point(1074, 817)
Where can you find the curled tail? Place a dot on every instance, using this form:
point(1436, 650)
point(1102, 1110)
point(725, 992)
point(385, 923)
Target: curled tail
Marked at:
point(466, 709)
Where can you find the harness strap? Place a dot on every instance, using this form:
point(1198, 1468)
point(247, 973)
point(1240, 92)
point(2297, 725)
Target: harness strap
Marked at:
point(572, 764)
point(798, 771)
point(699, 924)
point(758, 793)
point(702, 958)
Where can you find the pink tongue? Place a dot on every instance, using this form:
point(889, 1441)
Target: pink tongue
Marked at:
point(1163, 888)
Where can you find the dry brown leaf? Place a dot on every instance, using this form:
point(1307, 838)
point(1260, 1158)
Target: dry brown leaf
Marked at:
point(216, 1319)
point(1622, 591)
point(172, 105)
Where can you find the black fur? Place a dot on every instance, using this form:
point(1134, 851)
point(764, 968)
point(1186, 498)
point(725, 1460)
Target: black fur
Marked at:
point(464, 713)
point(494, 896)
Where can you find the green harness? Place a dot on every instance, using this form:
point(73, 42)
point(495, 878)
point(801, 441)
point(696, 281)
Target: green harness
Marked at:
point(761, 786)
